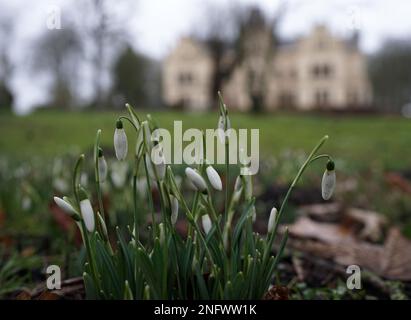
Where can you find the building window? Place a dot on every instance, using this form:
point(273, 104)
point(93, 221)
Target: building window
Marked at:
point(322, 98)
point(185, 78)
point(321, 71)
point(286, 100)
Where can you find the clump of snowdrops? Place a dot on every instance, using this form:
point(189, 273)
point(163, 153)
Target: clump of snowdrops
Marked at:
point(221, 257)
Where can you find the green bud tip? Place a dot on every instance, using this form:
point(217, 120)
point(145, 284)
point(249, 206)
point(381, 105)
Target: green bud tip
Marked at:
point(82, 194)
point(330, 165)
point(100, 152)
point(119, 124)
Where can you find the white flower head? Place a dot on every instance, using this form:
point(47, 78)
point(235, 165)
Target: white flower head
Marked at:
point(328, 181)
point(65, 206)
point(214, 178)
point(87, 212)
point(174, 209)
point(206, 222)
point(102, 166)
point(120, 141)
point(119, 173)
point(272, 219)
point(196, 179)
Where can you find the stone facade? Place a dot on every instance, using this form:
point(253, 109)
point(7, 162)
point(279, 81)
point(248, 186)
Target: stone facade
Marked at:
point(187, 76)
point(318, 71)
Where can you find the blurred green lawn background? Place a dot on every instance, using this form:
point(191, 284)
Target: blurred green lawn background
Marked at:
point(359, 140)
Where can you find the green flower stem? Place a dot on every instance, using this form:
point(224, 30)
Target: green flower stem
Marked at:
point(74, 180)
point(82, 227)
point(271, 236)
point(227, 180)
point(150, 197)
point(129, 120)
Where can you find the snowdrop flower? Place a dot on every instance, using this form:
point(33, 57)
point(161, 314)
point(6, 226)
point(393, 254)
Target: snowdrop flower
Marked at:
point(214, 178)
point(119, 173)
point(328, 181)
point(120, 141)
point(271, 220)
point(26, 203)
point(196, 179)
point(102, 166)
point(65, 206)
point(206, 222)
point(86, 211)
point(60, 184)
point(174, 209)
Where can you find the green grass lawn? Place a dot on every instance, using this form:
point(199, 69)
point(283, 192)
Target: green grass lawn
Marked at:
point(358, 140)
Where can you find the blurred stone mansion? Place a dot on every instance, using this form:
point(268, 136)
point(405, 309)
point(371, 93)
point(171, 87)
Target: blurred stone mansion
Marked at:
point(317, 71)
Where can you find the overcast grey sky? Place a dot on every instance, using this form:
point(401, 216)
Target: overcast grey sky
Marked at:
point(157, 24)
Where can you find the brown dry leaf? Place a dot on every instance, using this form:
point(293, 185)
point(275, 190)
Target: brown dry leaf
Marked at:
point(396, 257)
point(391, 261)
point(329, 233)
point(48, 295)
point(23, 295)
point(372, 223)
point(277, 293)
point(322, 211)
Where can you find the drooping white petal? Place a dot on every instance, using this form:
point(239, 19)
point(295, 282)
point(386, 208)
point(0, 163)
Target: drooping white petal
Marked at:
point(174, 209)
point(196, 179)
point(214, 178)
point(271, 220)
point(120, 143)
point(65, 206)
point(102, 168)
point(206, 222)
point(119, 173)
point(87, 214)
point(328, 184)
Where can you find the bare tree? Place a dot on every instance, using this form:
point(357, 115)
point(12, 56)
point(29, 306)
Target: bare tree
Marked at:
point(57, 54)
point(103, 28)
point(6, 66)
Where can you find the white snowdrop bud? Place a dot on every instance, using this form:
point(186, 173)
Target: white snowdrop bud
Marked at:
point(86, 211)
point(65, 206)
point(214, 178)
point(196, 179)
point(206, 222)
point(328, 181)
point(271, 220)
point(120, 141)
point(174, 209)
point(102, 166)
